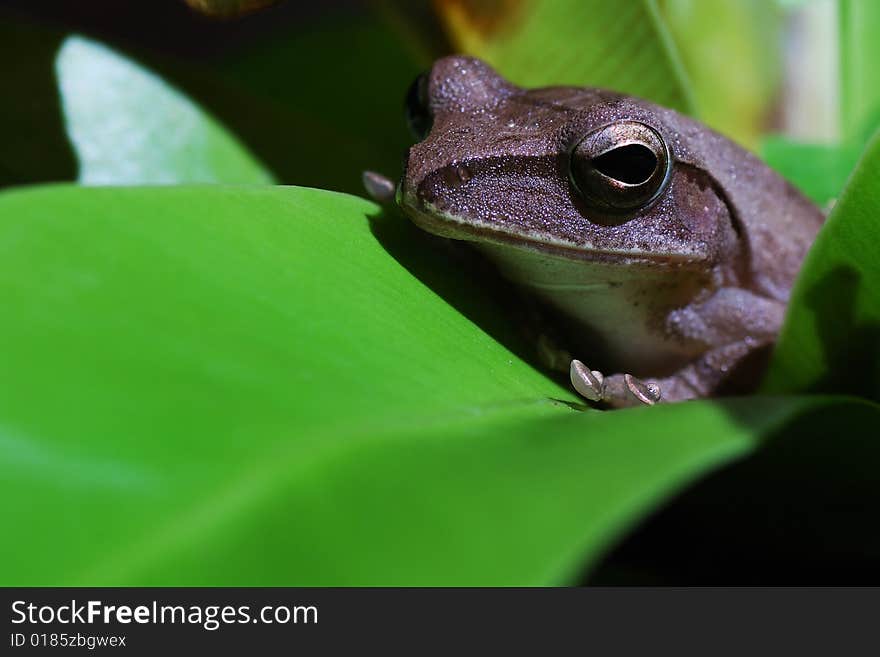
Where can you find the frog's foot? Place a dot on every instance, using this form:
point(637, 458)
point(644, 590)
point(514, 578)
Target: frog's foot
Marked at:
point(618, 390)
point(380, 188)
point(588, 383)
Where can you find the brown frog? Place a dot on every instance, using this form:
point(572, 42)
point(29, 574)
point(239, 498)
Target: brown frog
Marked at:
point(669, 249)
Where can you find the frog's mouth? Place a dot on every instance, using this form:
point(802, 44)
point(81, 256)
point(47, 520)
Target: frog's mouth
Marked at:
point(444, 224)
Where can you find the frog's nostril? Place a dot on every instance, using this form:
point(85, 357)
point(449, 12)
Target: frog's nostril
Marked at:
point(456, 175)
point(632, 164)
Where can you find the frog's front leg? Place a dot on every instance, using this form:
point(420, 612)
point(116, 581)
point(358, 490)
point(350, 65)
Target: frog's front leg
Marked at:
point(739, 321)
point(618, 390)
point(697, 380)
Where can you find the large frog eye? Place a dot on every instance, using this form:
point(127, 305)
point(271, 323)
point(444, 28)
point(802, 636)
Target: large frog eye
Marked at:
point(621, 167)
point(418, 113)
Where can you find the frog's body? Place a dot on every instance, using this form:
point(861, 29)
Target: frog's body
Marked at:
point(675, 254)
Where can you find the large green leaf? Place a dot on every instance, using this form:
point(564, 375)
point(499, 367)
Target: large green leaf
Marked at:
point(215, 385)
point(622, 46)
point(831, 337)
point(128, 126)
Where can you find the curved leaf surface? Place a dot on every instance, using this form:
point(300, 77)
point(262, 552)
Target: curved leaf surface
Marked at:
point(831, 338)
point(127, 126)
point(222, 385)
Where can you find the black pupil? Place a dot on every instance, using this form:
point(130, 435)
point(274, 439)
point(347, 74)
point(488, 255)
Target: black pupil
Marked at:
point(417, 115)
point(632, 164)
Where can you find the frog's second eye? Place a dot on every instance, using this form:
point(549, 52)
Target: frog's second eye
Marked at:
point(418, 113)
point(621, 167)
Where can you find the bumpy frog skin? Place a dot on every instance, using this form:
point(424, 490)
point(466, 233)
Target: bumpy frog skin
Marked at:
point(668, 248)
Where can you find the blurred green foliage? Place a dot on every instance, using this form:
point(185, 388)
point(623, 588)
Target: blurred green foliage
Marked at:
point(732, 52)
point(630, 48)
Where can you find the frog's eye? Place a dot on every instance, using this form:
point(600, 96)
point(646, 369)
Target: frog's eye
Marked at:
point(621, 167)
point(418, 113)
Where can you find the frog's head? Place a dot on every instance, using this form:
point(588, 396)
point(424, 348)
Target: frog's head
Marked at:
point(579, 172)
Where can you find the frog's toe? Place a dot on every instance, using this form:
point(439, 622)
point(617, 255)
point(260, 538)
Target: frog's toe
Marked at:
point(588, 383)
point(644, 392)
point(380, 188)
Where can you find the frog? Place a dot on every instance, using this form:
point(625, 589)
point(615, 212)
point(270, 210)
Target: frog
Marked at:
point(667, 250)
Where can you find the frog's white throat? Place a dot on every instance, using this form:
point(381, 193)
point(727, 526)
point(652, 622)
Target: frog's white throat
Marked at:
point(621, 297)
point(624, 307)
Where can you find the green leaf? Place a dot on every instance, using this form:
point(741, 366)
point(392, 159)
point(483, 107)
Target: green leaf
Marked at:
point(231, 385)
point(128, 126)
point(859, 74)
point(831, 337)
point(731, 50)
point(622, 46)
point(818, 170)
point(793, 4)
